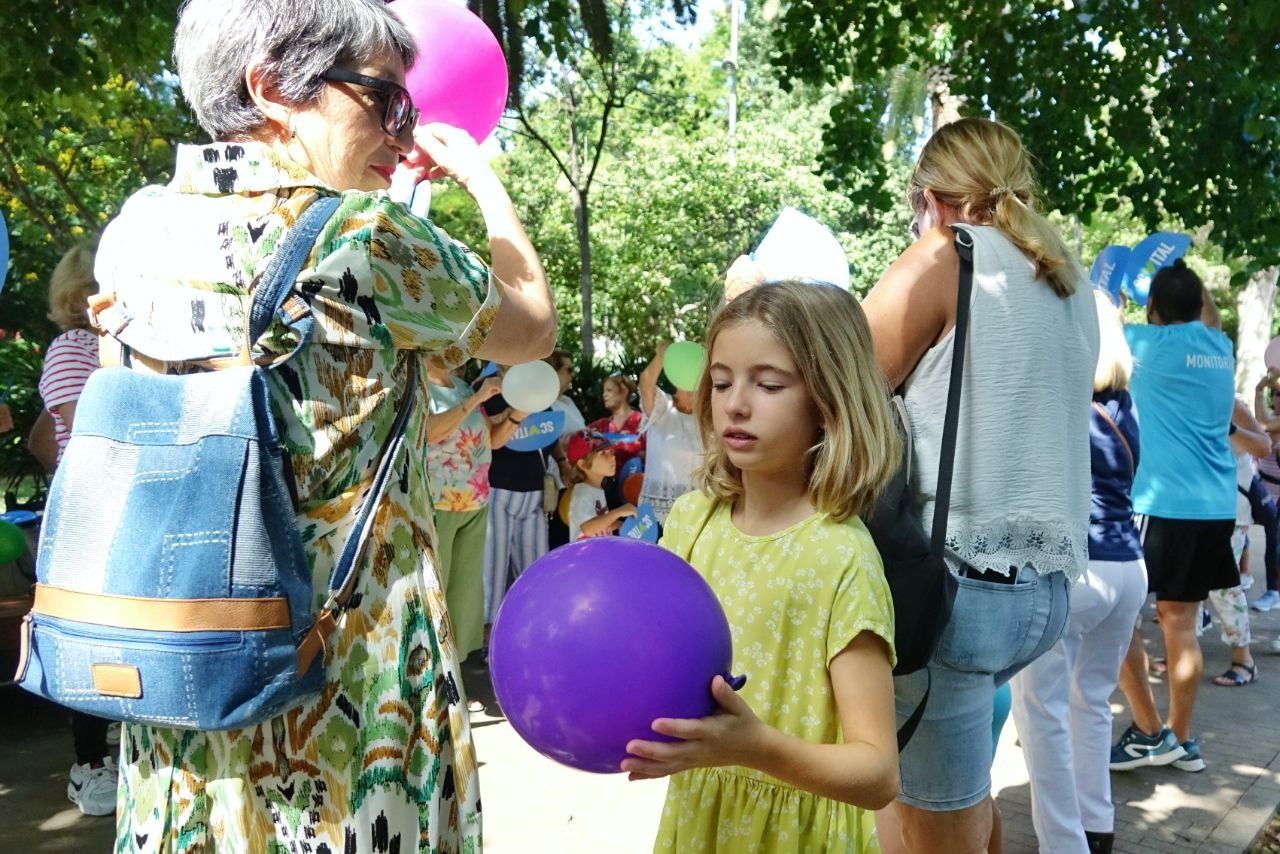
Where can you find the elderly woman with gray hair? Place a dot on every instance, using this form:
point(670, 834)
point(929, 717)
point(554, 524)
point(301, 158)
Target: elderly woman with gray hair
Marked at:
point(306, 99)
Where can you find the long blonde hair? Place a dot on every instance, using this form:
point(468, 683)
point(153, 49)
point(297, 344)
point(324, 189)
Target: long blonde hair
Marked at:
point(826, 333)
point(979, 167)
point(1115, 360)
point(70, 287)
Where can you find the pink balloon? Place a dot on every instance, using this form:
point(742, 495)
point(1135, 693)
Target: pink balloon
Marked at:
point(460, 77)
point(1271, 358)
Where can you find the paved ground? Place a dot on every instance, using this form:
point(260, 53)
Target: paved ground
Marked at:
point(534, 805)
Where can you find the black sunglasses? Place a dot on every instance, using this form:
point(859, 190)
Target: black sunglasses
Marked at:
point(398, 112)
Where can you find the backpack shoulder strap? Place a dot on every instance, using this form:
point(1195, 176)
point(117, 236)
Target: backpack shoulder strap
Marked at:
point(342, 583)
point(951, 423)
point(277, 281)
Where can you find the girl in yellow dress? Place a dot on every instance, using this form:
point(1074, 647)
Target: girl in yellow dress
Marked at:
point(794, 416)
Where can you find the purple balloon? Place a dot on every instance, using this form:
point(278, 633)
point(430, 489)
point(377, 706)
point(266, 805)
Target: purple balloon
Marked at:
point(597, 639)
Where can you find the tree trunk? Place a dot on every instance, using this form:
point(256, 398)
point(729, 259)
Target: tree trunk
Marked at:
point(944, 105)
point(1256, 305)
point(582, 223)
point(578, 194)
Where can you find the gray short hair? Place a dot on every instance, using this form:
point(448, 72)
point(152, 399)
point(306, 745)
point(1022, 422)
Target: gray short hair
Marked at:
point(296, 40)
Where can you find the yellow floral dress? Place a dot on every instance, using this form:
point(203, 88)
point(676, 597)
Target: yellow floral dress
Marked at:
point(382, 759)
point(794, 600)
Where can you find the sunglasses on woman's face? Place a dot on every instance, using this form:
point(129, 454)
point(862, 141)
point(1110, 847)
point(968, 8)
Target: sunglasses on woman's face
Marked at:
point(398, 112)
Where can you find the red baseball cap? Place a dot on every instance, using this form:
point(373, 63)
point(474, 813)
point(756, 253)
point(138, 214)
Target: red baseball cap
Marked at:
point(585, 442)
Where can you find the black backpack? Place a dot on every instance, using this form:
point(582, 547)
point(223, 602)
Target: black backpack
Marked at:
point(922, 586)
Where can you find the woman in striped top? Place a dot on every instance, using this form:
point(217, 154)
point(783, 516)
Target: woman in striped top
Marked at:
point(71, 357)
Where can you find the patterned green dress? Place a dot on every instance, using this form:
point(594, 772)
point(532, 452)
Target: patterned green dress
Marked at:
point(382, 759)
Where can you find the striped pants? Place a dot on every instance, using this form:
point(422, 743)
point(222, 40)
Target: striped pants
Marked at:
point(516, 537)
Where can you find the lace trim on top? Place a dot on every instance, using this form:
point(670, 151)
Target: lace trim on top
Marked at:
point(1001, 545)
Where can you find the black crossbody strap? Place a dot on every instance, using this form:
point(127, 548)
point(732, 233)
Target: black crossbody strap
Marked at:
point(951, 424)
point(947, 454)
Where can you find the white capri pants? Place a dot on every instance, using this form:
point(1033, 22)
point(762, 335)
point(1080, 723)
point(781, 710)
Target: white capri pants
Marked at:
point(1062, 707)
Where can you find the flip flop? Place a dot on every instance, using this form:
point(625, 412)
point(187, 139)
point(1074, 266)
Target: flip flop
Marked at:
point(1237, 675)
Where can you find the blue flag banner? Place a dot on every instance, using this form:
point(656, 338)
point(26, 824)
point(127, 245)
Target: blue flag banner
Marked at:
point(616, 438)
point(642, 526)
point(1159, 250)
point(489, 370)
point(1109, 269)
point(537, 432)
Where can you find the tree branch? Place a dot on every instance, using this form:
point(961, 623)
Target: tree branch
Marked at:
point(24, 192)
point(541, 140)
point(89, 219)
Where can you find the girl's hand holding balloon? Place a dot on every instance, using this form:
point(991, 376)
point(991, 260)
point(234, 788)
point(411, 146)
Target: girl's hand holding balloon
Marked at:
point(731, 736)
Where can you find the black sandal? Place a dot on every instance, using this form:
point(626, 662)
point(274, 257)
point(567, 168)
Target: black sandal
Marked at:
point(1237, 675)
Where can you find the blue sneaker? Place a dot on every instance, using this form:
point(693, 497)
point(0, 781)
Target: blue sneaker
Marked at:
point(1136, 749)
point(1190, 760)
point(1267, 601)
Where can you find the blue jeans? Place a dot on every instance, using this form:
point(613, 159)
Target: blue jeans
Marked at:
point(995, 631)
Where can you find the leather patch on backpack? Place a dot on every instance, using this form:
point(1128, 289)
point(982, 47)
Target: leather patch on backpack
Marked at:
point(117, 680)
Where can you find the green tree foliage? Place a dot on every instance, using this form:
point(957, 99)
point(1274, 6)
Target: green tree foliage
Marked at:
point(1172, 105)
point(670, 213)
point(553, 26)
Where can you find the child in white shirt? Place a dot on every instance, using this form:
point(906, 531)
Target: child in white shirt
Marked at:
point(591, 460)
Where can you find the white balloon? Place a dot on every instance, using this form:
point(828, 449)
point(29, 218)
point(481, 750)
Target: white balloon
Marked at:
point(531, 387)
point(798, 247)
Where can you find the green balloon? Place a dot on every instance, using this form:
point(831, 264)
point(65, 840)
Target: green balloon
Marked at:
point(13, 544)
point(683, 363)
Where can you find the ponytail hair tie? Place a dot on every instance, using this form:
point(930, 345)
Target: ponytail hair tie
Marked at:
point(997, 192)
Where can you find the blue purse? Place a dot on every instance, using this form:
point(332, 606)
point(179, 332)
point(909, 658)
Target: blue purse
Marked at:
point(173, 588)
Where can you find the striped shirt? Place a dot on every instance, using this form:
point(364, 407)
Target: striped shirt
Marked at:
point(71, 357)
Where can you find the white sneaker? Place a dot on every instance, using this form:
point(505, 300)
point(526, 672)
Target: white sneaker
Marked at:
point(93, 790)
point(1246, 582)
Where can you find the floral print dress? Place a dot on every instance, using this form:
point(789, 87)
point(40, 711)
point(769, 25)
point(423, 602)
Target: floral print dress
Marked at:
point(459, 464)
point(382, 759)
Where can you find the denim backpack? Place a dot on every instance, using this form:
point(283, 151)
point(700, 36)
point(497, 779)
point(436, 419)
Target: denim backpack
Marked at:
point(921, 584)
point(173, 588)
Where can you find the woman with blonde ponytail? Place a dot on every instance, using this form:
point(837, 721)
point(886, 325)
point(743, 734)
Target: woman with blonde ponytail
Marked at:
point(1017, 530)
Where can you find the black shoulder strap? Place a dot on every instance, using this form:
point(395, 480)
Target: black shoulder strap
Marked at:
point(947, 455)
point(951, 424)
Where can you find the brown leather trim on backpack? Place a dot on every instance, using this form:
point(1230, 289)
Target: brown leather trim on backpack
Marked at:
point(314, 642)
point(117, 680)
point(162, 615)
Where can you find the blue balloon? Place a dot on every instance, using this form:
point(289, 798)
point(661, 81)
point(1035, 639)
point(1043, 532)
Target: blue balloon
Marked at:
point(1159, 250)
point(1108, 273)
point(4, 250)
point(635, 465)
